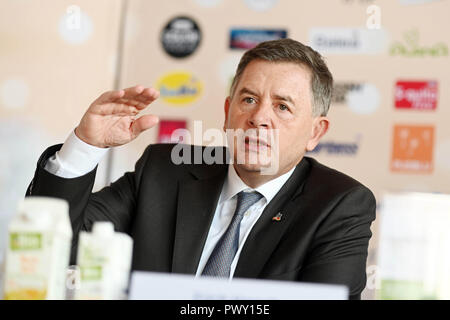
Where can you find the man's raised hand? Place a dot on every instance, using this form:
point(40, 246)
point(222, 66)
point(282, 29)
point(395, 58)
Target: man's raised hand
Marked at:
point(111, 119)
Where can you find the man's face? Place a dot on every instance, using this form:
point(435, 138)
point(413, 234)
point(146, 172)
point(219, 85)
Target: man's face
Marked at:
point(274, 95)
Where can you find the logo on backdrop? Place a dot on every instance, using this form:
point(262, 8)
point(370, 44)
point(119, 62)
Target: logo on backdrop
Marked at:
point(341, 89)
point(75, 27)
point(250, 38)
point(179, 88)
point(361, 98)
point(363, 2)
point(167, 129)
point(419, 95)
point(412, 148)
point(208, 3)
point(181, 37)
point(260, 5)
point(406, 2)
point(410, 47)
point(348, 40)
point(337, 148)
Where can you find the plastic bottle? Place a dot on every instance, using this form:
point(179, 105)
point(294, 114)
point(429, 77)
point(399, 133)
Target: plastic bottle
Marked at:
point(38, 250)
point(104, 258)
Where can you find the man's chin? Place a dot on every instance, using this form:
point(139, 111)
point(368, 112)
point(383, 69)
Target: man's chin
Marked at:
point(257, 168)
point(249, 167)
point(255, 162)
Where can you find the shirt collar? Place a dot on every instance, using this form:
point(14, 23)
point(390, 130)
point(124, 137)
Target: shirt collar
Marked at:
point(234, 185)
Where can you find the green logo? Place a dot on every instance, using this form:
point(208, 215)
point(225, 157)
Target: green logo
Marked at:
point(25, 241)
point(410, 47)
point(404, 290)
point(90, 273)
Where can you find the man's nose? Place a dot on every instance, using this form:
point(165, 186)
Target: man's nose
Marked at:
point(260, 116)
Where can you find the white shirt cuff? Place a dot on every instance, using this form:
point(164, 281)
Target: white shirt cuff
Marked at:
point(75, 159)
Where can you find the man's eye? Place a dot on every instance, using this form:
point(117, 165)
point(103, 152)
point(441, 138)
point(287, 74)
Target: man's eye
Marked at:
point(283, 107)
point(249, 100)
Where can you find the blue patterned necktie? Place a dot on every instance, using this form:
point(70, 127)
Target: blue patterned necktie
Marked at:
point(219, 262)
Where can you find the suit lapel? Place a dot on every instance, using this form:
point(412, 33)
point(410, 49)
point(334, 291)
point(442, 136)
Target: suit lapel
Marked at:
point(266, 233)
point(197, 201)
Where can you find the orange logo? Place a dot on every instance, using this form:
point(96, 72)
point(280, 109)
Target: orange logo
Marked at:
point(412, 149)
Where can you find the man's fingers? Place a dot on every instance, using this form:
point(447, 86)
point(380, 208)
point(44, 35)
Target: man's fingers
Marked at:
point(126, 102)
point(136, 96)
point(117, 109)
point(143, 123)
point(110, 96)
point(150, 94)
point(131, 93)
point(135, 103)
point(144, 96)
point(124, 94)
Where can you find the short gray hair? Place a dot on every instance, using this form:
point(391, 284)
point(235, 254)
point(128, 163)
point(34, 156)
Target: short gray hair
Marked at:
point(288, 50)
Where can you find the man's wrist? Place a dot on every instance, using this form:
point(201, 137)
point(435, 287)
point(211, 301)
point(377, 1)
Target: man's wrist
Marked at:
point(79, 156)
point(81, 137)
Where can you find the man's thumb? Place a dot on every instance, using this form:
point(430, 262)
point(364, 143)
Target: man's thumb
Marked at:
point(143, 123)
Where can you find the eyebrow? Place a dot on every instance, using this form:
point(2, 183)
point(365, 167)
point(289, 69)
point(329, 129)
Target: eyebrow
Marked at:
point(284, 98)
point(248, 91)
point(276, 96)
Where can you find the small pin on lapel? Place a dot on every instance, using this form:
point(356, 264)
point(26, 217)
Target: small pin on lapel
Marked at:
point(277, 217)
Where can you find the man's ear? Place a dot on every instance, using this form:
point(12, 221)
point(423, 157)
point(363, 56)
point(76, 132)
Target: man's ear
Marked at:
point(226, 108)
point(319, 128)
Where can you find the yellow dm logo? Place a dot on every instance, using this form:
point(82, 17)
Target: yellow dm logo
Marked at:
point(179, 88)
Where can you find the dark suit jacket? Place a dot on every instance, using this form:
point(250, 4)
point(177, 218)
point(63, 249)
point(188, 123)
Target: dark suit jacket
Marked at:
point(322, 237)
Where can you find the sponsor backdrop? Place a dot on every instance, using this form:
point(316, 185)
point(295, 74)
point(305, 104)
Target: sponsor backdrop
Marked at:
point(390, 60)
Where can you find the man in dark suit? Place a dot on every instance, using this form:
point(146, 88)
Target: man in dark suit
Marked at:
point(302, 222)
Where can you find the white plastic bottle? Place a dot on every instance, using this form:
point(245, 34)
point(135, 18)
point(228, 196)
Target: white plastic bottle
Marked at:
point(38, 250)
point(104, 258)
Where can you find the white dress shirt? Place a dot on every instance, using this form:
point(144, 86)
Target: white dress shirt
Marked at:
point(76, 158)
point(225, 210)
